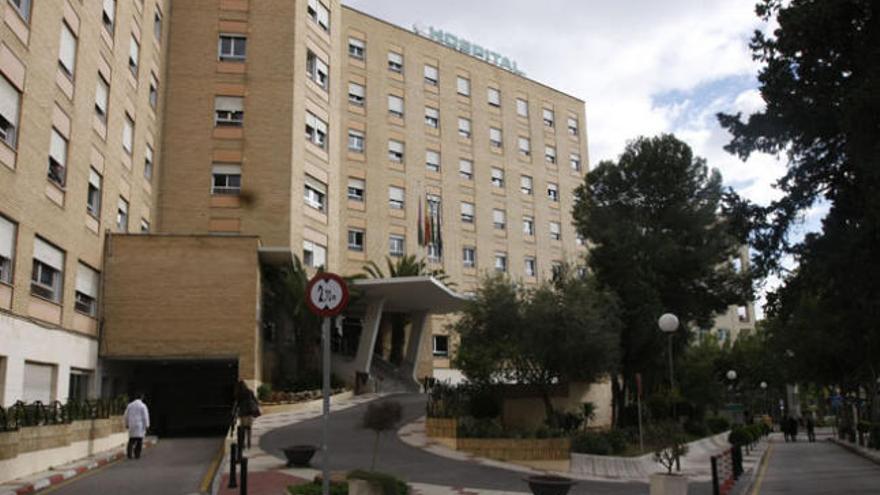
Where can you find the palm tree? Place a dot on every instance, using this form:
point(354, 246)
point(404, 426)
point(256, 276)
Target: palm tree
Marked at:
point(404, 266)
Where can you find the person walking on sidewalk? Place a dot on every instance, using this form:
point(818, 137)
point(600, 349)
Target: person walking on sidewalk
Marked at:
point(247, 409)
point(811, 429)
point(137, 421)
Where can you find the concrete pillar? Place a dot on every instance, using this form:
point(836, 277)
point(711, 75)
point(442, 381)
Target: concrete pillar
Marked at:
point(418, 321)
point(369, 332)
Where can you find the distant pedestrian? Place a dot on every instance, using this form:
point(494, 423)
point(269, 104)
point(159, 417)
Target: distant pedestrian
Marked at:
point(811, 429)
point(247, 409)
point(137, 421)
point(792, 428)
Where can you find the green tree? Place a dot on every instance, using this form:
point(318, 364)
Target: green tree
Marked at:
point(663, 233)
point(404, 266)
point(562, 330)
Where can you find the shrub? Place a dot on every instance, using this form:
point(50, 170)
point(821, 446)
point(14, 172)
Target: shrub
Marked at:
point(611, 442)
point(671, 444)
point(469, 427)
point(264, 391)
point(696, 428)
point(315, 489)
point(484, 403)
point(717, 424)
point(379, 417)
point(739, 436)
point(390, 484)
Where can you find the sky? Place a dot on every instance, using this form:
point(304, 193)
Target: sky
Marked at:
point(643, 68)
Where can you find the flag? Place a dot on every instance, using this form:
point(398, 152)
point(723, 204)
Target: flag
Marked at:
point(420, 224)
point(429, 235)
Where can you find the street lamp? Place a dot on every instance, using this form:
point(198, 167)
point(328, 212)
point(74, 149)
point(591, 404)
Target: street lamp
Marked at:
point(731, 375)
point(764, 391)
point(668, 323)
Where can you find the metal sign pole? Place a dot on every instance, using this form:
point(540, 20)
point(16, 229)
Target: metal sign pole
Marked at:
point(325, 420)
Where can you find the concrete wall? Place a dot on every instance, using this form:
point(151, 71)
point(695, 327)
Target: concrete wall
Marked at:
point(183, 296)
point(529, 412)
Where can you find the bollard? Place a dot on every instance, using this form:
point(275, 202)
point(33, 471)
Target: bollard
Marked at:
point(233, 458)
point(240, 440)
point(244, 472)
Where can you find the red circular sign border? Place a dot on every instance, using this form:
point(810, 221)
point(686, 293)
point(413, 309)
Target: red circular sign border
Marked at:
point(326, 313)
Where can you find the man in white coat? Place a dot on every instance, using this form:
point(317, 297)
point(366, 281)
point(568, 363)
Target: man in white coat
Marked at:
point(137, 421)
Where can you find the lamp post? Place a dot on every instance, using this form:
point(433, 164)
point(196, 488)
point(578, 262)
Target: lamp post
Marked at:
point(668, 324)
point(731, 393)
point(764, 391)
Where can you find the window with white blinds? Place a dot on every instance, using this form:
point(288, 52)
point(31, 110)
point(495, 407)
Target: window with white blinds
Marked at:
point(109, 14)
point(463, 86)
point(128, 134)
point(57, 158)
point(7, 248)
point(314, 254)
point(395, 105)
point(93, 200)
point(67, 52)
point(396, 197)
point(48, 269)
point(228, 111)
point(87, 282)
point(102, 97)
point(134, 51)
point(10, 100)
point(38, 382)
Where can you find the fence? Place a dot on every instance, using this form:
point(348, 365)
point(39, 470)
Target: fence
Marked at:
point(726, 469)
point(21, 415)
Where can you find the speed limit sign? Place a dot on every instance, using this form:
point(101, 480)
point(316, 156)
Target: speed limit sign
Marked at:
point(326, 294)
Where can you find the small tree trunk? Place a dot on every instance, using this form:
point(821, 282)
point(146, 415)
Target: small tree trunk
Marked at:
point(375, 452)
point(548, 408)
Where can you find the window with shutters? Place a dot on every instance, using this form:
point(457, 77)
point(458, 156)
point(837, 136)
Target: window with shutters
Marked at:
point(93, 198)
point(87, 280)
point(432, 160)
point(157, 25)
point(57, 158)
point(464, 127)
point(316, 130)
point(575, 161)
point(355, 141)
point(524, 145)
point(396, 197)
point(499, 220)
point(495, 137)
point(10, 103)
point(122, 215)
point(315, 193)
point(395, 62)
point(550, 154)
point(357, 48)
point(148, 162)
point(501, 262)
point(317, 70)
point(228, 111)
point(528, 226)
point(38, 384)
point(497, 177)
point(494, 97)
point(102, 97)
point(48, 271)
point(128, 134)
point(67, 51)
point(469, 256)
point(525, 184)
point(463, 86)
point(232, 47)
point(134, 56)
point(573, 126)
point(109, 15)
point(356, 189)
point(555, 232)
point(467, 212)
point(432, 117)
point(466, 169)
point(314, 254)
point(145, 226)
point(356, 239)
point(154, 90)
point(549, 118)
point(226, 179)
point(396, 245)
point(356, 94)
point(78, 386)
point(8, 236)
point(395, 106)
point(522, 107)
point(319, 13)
point(552, 192)
point(432, 77)
point(395, 151)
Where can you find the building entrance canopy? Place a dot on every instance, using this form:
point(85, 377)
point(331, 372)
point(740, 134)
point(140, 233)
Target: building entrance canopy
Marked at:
point(410, 295)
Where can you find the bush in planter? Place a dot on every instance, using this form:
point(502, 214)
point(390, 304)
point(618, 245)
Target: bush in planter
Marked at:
point(264, 392)
point(611, 442)
point(671, 445)
point(469, 427)
point(390, 484)
point(717, 424)
point(739, 436)
point(316, 489)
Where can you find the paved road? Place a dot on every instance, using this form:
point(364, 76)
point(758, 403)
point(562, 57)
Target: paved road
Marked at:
point(174, 466)
point(351, 448)
point(816, 468)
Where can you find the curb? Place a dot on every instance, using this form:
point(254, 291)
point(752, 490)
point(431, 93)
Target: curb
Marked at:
point(859, 451)
point(47, 479)
point(751, 474)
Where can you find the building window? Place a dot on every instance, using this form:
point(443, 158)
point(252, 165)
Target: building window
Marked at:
point(154, 90)
point(525, 184)
point(494, 97)
point(467, 212)
point(495, 137)
point(497, 177)
point(57, 158)
point(23, 7)
point(93, 198)
point(109, 15)
point(316, 130)
point(529, 266)
point(395, 62)
point(319, 13)
point(464, 127)
point(575, 160)
point(529, 226)
point(395, 151)
point(396, 245)
point(356, 94)
point(314, 255)
point(469, 256)
point(499, 220)
point(552, 192)
point(431, 75)
point(356, 188)
point(432, 160)
point(742, 313)
point(8, 231)
point(157, 26)
point(355, 141)
point(432, 117)
point(396, 197)
point(356, 239)
point(441, 345)
point(87, 280)
point(148, 162)
point(145, 226)
point(501, 262)
point(466, 169)
point(522, 107)
point(226, 179)
point(78, 387)
point(395, 106)
point(10, 101)
point(48, 270)
point(315, 193)
point(67, 51)
point(228, 111)
point(463, 86)
point(356, 48)
point(524, 145)
point(555, 233)
point(134, 50)
point(573, 126)
point(549, 118)
point(39, 380)
point(102, 97)
point(550, 154)
point(232, 47)
point(122, 215)
point(128, 134)
point(317, 70)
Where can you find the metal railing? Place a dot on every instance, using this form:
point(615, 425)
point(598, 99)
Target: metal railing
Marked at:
point(23, 415)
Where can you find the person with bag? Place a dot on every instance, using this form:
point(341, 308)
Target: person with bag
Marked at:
point(247, 408)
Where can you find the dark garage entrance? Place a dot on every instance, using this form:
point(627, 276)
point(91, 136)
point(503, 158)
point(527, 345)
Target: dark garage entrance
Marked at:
point(185, 397)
